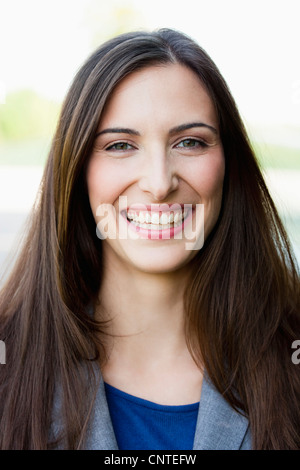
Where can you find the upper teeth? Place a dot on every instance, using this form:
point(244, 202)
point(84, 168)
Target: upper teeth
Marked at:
point(157, 218)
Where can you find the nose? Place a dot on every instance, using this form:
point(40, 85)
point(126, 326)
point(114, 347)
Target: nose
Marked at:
point(159, 175)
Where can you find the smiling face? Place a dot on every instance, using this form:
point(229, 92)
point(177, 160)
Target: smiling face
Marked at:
point(157, 161)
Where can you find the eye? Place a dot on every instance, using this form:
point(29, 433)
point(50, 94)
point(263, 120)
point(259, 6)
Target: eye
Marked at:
point(191, 143)
point(120, 146)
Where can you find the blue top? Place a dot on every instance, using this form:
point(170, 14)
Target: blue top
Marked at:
point(142, 425)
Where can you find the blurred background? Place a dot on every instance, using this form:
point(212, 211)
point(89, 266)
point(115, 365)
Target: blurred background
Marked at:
point(255, 44)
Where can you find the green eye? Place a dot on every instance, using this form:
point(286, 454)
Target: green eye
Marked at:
point(191, 143)
point(188, 143)
point(120, 146)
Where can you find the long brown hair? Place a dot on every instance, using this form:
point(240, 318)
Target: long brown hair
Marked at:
point(242, 301)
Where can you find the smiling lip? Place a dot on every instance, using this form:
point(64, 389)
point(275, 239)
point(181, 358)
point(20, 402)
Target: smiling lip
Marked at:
point(157, 221)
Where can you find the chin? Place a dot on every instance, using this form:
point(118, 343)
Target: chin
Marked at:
point(161, 260)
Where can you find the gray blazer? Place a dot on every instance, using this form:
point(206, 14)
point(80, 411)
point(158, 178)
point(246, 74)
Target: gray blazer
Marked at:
point(219, 427)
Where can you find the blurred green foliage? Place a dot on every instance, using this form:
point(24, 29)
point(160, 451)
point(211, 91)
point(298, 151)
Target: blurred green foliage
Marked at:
point(277, 156)
point(25, 152)
point(25, 115)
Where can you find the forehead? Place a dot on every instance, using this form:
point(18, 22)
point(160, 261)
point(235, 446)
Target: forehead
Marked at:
point(168, 93)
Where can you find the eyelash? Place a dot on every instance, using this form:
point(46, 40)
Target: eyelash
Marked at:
point(198, 142)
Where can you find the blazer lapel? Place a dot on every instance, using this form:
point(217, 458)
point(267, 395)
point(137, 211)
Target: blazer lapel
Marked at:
point(219, 426)
point(100, 435)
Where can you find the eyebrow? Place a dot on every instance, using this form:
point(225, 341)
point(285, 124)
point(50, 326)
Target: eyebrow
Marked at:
point(184, 127)
point(118, 130)
point(174, 130)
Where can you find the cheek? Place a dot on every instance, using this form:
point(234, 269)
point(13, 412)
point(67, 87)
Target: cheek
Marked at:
point(208, 177)
point(105, 182)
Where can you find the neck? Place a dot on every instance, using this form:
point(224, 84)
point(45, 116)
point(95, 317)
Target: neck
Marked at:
point(146, 350)
point(145, 310)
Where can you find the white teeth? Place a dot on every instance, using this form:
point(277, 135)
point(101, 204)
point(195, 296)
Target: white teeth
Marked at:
point(164, 219)
point(155, 218)
point(154, 221)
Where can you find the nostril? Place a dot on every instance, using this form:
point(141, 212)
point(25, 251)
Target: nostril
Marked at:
point(159, 186)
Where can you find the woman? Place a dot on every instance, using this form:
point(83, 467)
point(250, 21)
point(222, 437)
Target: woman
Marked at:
point(115, 314)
